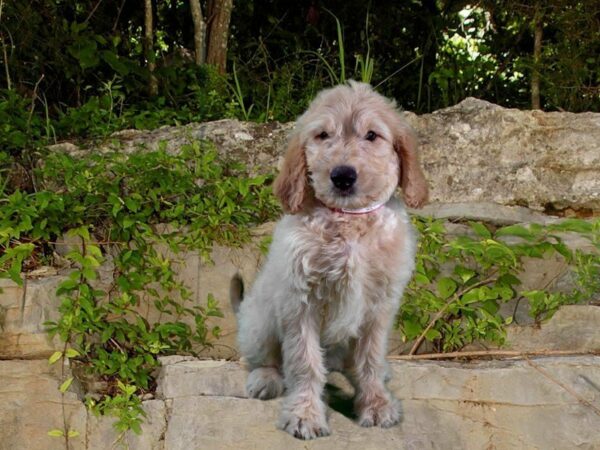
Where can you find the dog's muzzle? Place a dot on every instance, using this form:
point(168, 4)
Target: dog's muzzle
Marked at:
point(343, 178)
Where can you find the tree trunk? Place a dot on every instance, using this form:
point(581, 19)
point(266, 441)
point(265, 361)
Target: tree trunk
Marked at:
point(199, 32)
point(218, 33)
point(149, 47)
point(538, 23)
point(4, 52)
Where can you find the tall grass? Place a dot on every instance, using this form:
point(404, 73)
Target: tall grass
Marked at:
point(236, 90)
point(365, 65)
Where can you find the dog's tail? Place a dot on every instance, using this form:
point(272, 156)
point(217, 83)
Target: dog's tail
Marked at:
point(236, 292)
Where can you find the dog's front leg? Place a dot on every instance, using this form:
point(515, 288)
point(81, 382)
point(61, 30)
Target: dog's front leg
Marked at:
point(303, 414)
point(374, 404)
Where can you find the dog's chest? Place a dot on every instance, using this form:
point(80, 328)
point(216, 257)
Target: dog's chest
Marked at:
point(347, 251)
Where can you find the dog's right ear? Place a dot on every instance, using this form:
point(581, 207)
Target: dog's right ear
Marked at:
point(291, 184)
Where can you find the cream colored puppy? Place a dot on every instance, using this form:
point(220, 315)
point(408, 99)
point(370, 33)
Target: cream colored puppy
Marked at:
point(339, 261)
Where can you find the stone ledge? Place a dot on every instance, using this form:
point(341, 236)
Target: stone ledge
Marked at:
point(201, 378)
point(493, 404)
point(488, 212)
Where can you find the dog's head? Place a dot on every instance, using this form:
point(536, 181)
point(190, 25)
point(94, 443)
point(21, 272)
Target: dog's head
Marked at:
point(350, 149)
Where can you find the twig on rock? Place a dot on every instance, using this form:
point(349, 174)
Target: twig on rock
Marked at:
point(491, 353)
point(441, 312)
point(579, 398)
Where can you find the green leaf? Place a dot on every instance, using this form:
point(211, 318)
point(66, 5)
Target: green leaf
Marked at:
point(480, 229)
point(73, 433)
point(446, 287)
point(126, 255)
point(565, 251)
point(85, 51)
point(66, 384)
point(136, 428)
point(128, 222)
point(113, 60)
point(89, 274)
point(472, 296)
point(490, 306)
point(54, 357)
point(94, 251)
point(132, 204)
point(464, 273)
point(515, 230)
point(432, 334)
point(106, 334)
point(411, 329)
point(421, 279)
point(574, 225)
point(72, 353)
point(14, 273)
point(508, 279)
point(82, 232)
point(56, 433)
point(505, 292)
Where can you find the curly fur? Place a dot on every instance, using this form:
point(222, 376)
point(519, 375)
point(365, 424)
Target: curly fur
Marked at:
point(330, 288)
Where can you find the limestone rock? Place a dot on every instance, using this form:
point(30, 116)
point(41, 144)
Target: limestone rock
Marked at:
point(258, 145)
point(30, 406)
point(498, 404)
point(494, 404)
point(198, 377)
point(573, 328)
point(476, 151)
point(23, 311)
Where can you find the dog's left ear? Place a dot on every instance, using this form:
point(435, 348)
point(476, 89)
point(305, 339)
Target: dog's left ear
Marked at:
point(412, 180)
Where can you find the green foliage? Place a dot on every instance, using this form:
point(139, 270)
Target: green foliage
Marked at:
point(461, 281)
point(466, 63)
point(205, 97)
point(141, 210)
point(125, 405)
point(18, 127)
point(95, 76)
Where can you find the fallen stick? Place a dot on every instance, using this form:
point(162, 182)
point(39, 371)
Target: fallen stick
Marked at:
point(491, 353)
point(578, 397)
point(511, 354)
point(441, 312)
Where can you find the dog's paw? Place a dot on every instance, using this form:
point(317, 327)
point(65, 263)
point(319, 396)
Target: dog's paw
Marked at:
point(383, 412)
point(303, 427)
point(264, 383)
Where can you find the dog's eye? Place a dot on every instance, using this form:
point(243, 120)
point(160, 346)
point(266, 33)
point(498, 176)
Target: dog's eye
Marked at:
point(323, 135)
point(371, 135)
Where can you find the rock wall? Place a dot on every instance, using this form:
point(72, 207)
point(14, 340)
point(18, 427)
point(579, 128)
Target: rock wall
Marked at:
point(474, 151)
point(483, 162)
point(23, 310)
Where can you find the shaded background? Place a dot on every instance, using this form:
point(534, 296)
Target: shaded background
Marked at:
point(84, 68)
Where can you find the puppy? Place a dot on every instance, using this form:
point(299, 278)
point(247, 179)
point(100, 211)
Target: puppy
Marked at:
point(338, 263)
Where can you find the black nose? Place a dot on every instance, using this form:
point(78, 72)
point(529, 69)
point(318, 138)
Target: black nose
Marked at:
point(343, 177)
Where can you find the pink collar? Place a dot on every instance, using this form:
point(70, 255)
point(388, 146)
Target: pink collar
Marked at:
point(367, 210)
